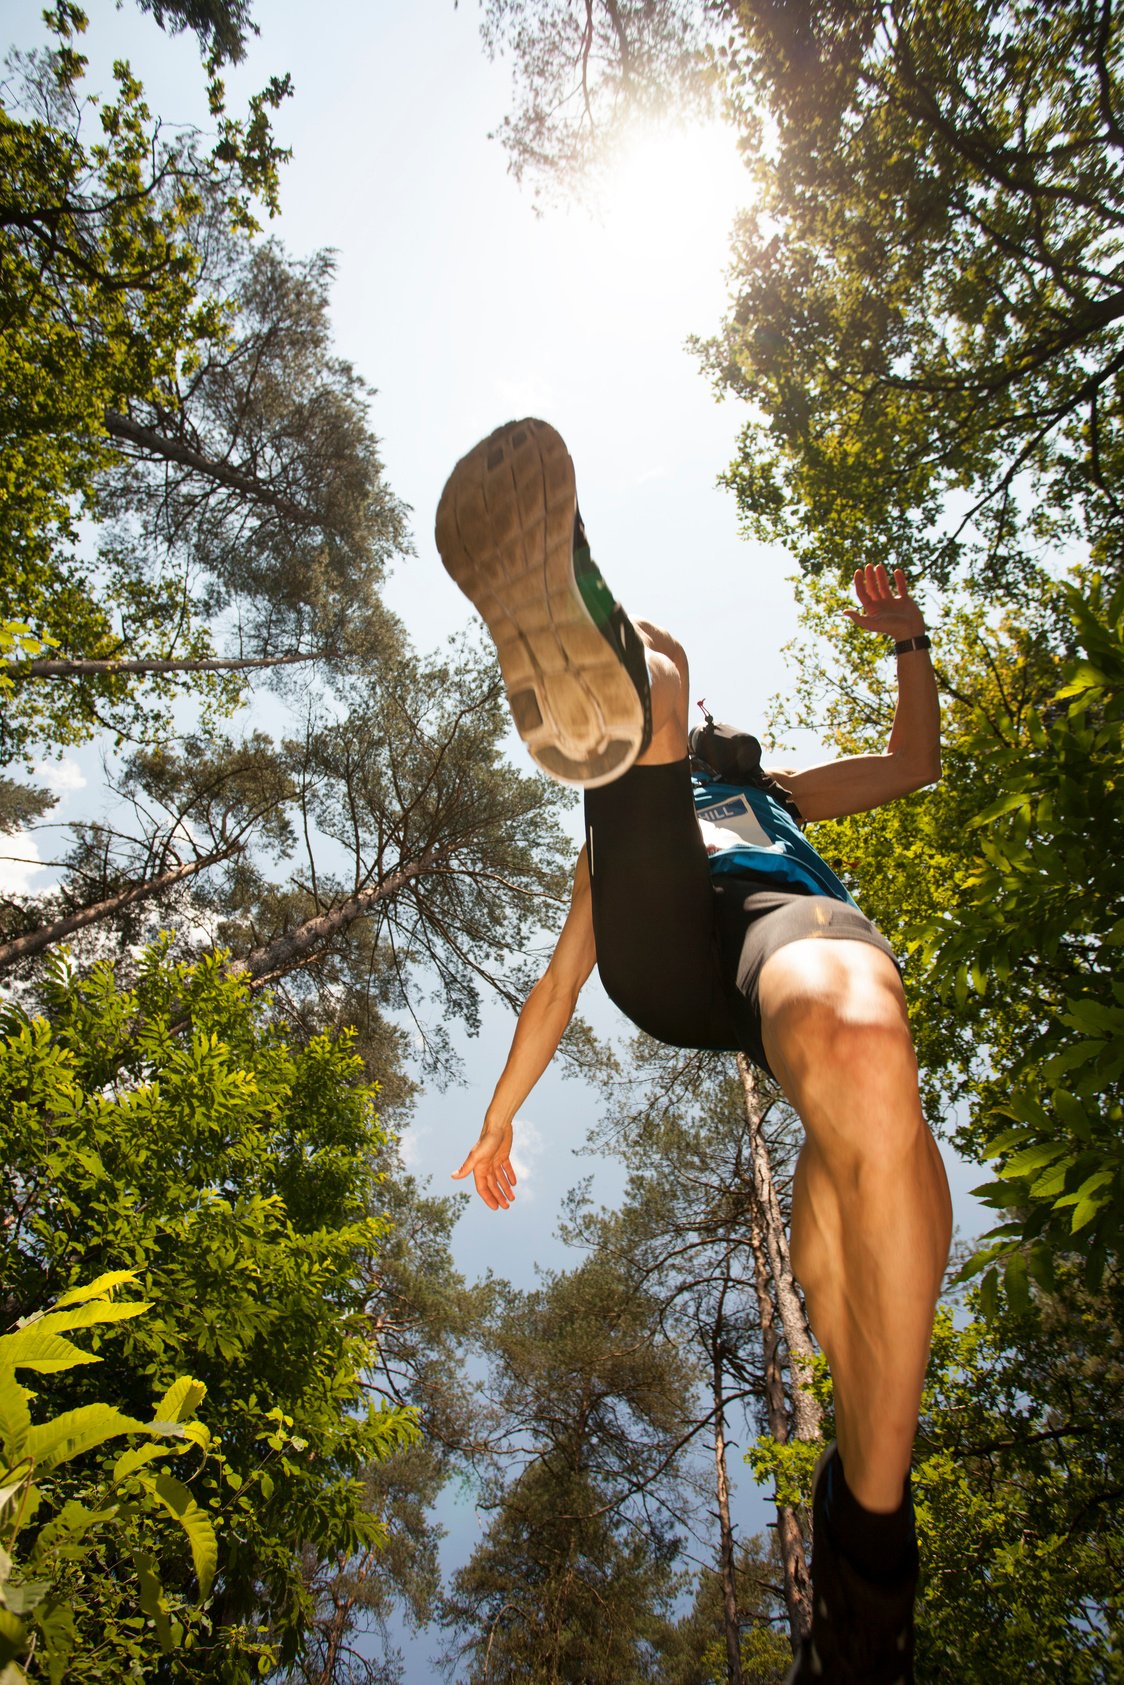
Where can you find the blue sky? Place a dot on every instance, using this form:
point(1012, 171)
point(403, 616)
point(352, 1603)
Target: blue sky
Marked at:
point(464, 307)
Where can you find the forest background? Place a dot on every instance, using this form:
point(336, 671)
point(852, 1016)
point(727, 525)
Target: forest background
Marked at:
point(211, 495)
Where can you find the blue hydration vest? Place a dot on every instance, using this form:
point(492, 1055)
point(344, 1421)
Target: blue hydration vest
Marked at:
point(768, 842)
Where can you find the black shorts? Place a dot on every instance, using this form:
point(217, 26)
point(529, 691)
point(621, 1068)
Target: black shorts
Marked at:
point(680, 951)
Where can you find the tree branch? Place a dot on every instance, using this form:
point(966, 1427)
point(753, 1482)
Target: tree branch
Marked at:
point(21, 947)
point(127, 431)
point(293, 949)
point(61, 669)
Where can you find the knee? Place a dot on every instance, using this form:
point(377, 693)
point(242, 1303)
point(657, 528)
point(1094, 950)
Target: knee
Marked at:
point(840, 1040)
point(867, 1051)
point(671, 687)
point(850, 1070)
point(660, 642)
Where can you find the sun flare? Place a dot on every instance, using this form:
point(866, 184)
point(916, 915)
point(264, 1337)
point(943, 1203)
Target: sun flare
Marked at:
point(665, 207)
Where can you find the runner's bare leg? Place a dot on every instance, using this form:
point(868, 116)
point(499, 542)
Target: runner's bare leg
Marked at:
point(871, 1214)
point(670, 685)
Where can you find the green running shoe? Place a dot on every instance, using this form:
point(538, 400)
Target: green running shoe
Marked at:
point(573, 664)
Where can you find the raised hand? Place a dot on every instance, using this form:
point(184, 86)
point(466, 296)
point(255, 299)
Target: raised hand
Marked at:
point(490, 1165)
point(885, 608)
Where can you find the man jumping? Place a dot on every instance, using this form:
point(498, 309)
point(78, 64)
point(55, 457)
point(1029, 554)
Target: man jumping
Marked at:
point(714, 924)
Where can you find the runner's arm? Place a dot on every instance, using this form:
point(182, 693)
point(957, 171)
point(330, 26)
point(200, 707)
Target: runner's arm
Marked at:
point(541, 1026)
point(912, 757)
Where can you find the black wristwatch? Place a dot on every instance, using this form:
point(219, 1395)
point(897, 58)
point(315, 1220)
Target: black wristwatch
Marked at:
point(904, 645)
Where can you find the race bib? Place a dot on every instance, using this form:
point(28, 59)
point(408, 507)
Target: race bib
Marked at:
point(732, 823)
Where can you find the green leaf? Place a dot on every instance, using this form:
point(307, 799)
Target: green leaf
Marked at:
point(98, 1289)
point(1098, 1179)
point(152, 1599)
point(1084, 1213)
point(60, 1635)
point(996, 810)
point(45, 1352)
point(1004, 1142)
point(22, 1598)
point(1092, 1015)
point(17, 1490)
point(1040, 1263)
point(180, 1402)
point(200, 1534)
point(12, 1346)
point(1032, 1158)
point(1078, 1053)
point(136, 1457)
point(73, 1521)
point(77, 1431)
point(1052, 1181)
point(1015, 1282)
point(989, 1295)
point(1085, 677)
point(1073, 1114)
point(12, 1639)
point(15, 1417)
point(1026, 1108)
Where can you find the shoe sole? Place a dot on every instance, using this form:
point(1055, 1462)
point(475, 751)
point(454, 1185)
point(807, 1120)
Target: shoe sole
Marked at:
point(505, 531)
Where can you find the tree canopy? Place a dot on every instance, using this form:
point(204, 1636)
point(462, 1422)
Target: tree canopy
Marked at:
point(572, 1578)
point(927, 282)
point(188, 467)
point(928, 285)
point(579, 72)
point(1017, 1461)
point(264, 921)
point(235, 1173)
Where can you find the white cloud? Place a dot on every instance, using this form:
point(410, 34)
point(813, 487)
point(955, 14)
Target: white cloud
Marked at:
point(19, 863)
point(528, 1146)
point(415, 1156)
point(63, 777)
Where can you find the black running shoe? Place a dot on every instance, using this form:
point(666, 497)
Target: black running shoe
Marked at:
point(862, 1633)
point(509, 533)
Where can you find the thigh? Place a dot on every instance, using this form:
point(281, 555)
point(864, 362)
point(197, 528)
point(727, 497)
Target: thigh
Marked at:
point(757, 923)
point(654, 908)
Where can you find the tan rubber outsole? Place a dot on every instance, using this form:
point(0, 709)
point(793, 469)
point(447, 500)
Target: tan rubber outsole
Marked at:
point(505, 531)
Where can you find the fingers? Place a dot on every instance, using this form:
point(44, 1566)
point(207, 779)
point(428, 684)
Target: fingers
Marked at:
point(873, 587)
point(495, 1183)
point(493, 1173)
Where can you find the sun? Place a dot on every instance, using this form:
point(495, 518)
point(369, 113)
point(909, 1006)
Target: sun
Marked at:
point(666, 205)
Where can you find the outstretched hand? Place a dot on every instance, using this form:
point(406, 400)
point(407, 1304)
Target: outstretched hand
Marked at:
point(885, 608)
point(490, 1165)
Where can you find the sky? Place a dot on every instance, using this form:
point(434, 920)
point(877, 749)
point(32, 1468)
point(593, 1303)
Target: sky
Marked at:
point(465, 307)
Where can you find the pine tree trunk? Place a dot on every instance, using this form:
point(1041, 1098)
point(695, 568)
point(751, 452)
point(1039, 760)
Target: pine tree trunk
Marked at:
point(806, 1412)
point(297, 947)
point(60, 669)
point(21, 947)
point(790, 1535)
point(725, 1527)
